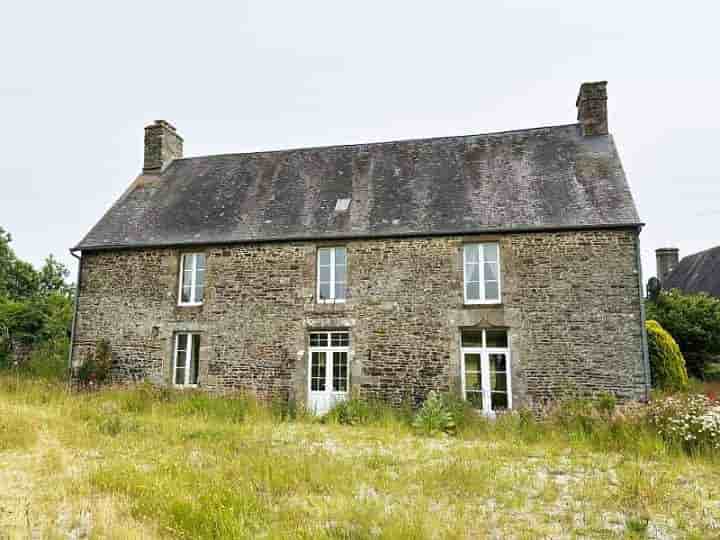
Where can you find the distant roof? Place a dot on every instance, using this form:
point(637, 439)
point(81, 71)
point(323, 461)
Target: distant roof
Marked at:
point(699, 272)
point(544, 178)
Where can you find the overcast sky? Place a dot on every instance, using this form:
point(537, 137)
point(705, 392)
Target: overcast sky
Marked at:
point(80, 80)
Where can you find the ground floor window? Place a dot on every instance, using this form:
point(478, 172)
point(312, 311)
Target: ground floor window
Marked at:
point(328, 369)
point(486, 369)
point(186, 359)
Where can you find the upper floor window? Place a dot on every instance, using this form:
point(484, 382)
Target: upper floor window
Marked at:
point(482, 273)
point(192, 279)
point(331, 274)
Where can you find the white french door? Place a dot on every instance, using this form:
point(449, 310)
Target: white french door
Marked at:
point(486, 379)
point(328, 373)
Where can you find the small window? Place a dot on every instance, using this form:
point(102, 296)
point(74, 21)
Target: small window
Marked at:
point(192, 279)
point(482, 273)
point(186, 360)
point(331, 274)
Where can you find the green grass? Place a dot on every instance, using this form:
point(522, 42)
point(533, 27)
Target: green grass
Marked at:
point(146, 463)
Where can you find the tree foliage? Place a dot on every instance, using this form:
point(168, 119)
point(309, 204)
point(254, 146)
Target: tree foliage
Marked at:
point(667, 365)
point(35, 306)
point(693, 320)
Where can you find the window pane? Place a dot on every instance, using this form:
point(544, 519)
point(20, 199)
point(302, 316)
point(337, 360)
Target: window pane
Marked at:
point(324, 256)
point(182, 342)
point(195, 359)
point(472, 291)
point(200, 261)
point(339, 273)
point(318, 340)
point(340, 255)
point(472, 362)
point(180, 376)
point(187, 263)
point(340, 339)
point(324, 274)
point(473, 381)
point(340, 291)
point(491, 290)
point(499, 401)
point(491, 273)
point(472, 272)
point(471, 338)
point(317, 373)
point(180, 359)
point(324, 291)
point(340, 372)
point(490, 252)
point(475, 399)
point(185, 296)
point(498, 382)
point(471, 253)
point(496, 338)
point(199, 294)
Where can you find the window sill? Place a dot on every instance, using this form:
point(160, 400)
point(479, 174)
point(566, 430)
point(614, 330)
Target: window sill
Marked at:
point(196, 304)
point(185, 386)
point(481, 305)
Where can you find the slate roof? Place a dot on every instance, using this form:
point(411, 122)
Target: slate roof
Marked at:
point(699, 272)
point(544, 178)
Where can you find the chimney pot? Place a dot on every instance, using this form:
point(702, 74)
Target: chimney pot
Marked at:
point(592, 108)
point(666, 259)
point(162, 145)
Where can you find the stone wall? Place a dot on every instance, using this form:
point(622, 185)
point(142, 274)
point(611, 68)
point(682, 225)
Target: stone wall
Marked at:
point(570, 302)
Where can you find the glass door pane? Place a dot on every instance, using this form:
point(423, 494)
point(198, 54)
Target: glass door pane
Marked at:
point(498, 381)
point(340, 371)
point(474, 380)
point(317, 372)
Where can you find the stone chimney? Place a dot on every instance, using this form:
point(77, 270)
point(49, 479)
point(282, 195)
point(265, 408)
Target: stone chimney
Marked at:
point(592, 108)
point(666, 259)
point(162, 145)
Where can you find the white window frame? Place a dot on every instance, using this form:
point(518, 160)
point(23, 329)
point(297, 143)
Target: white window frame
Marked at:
point(332, 299)
point(193, 280)
point(485, 353)
point(481, 271)
point(191, 337)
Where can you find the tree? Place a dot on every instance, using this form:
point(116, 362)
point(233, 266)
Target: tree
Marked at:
point(693, 320)
point(51, 278)
point(18, 279)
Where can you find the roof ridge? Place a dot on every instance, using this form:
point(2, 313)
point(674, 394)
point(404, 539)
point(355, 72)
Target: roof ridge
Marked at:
point(377, 143)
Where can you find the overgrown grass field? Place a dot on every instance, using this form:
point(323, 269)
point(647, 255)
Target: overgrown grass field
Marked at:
point(144, 463)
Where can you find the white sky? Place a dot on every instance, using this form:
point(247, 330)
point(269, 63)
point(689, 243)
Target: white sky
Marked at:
point(80, 80)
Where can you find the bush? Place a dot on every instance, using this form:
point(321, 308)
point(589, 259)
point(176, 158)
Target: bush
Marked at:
point(359, 411)
point(667, 365)
point(691, 421)
point(434, 416)
point(95, 369)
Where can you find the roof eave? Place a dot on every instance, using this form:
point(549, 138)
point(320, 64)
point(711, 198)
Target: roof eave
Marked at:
point(362, 236)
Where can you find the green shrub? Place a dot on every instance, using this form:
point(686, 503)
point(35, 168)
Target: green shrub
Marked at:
point(667, 365)
point(95, 369)
point(49, 360)
point(434, 416)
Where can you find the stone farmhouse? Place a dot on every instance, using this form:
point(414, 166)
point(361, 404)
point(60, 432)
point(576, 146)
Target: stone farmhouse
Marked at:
point(503, 267)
